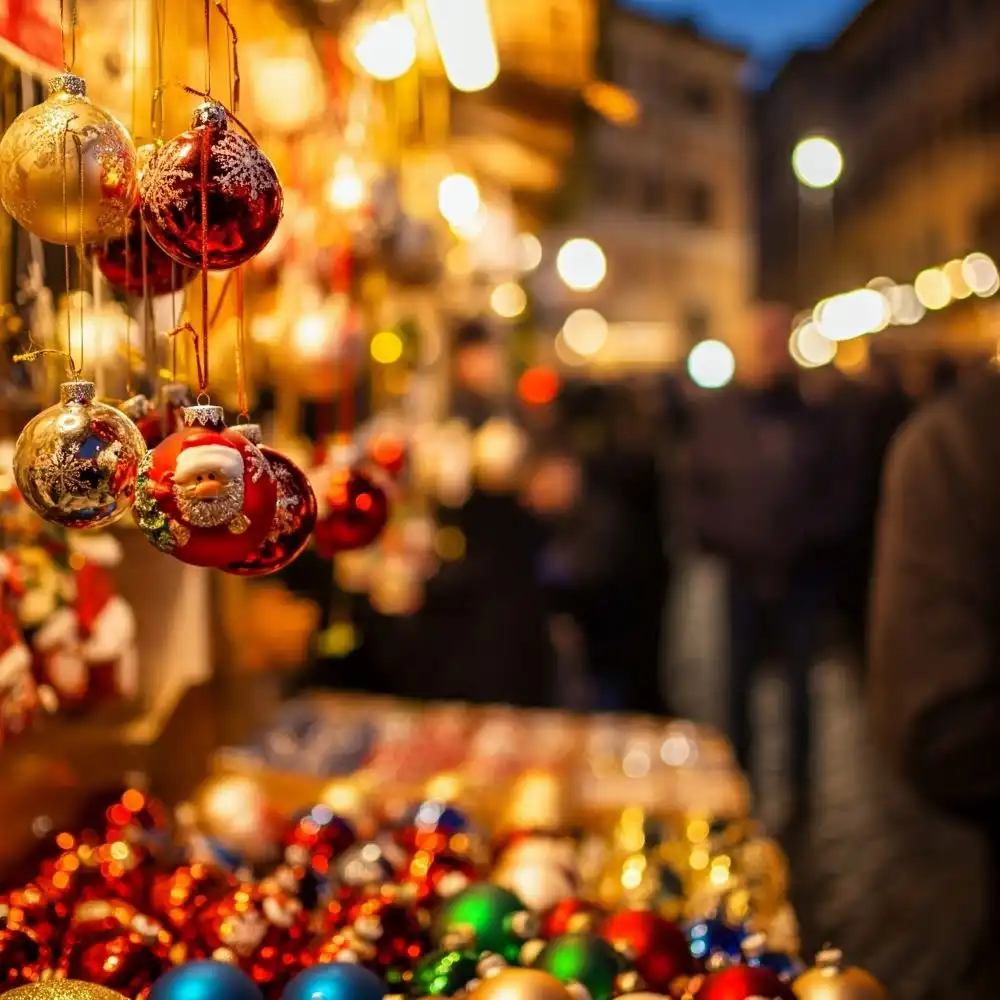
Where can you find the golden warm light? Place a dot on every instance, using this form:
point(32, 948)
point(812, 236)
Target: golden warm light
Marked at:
point(346, 189)
point(616, 105)
point(711, 364)
point(312, 335)
point(529, 251)
point(463, 31)
point(459, 200)
point(954, 271)
point(581, 264)
point(585, 332)
point(905, 308)
point(809, 348)
point(508, 300)
point(817, 162)
point(386, 48)
point(933, 288)
point(980, 274)
point(386, 347)
point(852, 314)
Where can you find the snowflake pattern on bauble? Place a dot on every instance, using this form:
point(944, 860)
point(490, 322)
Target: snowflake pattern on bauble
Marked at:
point(258, 464)
point(243, 166)
point(59, 475)
point(161, 186)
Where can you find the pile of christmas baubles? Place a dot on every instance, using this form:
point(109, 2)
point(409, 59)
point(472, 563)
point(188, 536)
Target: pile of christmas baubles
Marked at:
point(234, 902)
point(207, 199)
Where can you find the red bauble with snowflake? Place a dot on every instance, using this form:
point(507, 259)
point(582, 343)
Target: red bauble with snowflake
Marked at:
point(294, 517)
point(214, 168)
point(206, 495)
point(354, 511)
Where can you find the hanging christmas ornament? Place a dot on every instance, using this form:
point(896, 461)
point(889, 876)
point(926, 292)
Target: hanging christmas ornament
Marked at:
point(440, 875)
point(572, 915)
point(830, 979)
point(353, 511)
point(206, 495)
point(743, 982)
point(67, 168)
point(73, 989)
point(339, 981)
point(316, 838)
point(142, 413)
point(213, 169)
point(589, 960)
point(132, 262)
point(522, 984)
point(192, 981)
point(443, 973)
point(656, 946)
point(294, 515)
point(484, 917)
point(715, 937)
point(77, 463)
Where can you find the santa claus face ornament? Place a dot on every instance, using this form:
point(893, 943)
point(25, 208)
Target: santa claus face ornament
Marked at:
point(206, 495)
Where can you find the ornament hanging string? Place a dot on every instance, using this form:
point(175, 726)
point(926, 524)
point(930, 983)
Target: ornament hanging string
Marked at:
point(202, 362)
point(68, 63)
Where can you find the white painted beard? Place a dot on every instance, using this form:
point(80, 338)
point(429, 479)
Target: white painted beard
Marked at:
point(201, 513)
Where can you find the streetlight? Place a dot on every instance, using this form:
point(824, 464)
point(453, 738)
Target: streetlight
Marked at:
point(817, 162)
point(581, 264)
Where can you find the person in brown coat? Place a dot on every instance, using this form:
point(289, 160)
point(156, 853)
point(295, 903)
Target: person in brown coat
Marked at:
point(935, 625)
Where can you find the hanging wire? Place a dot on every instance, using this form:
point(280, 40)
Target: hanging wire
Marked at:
point(68, 63)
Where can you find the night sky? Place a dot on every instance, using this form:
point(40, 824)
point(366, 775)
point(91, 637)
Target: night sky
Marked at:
point(767, 27)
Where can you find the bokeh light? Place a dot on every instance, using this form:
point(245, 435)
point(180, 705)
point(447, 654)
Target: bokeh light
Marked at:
point(508, 300)
point(954, 272)
point(585, 332)
point(711, 364)
point(529, 251)
point(904, 306)
point(459, 200)
point(932, 288)
point(817, 162)
point(581, 264)
point(386, 347)
point(980, 274)
point(852, 314)
point(386, 48)
point(538, 386)
point(809, 348)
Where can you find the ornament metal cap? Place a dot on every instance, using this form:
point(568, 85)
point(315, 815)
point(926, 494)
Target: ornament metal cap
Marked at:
point(204, 415)
point(77, 391)
point(68, 83)
point(829, 959)
point(211, 114)
point(754, 945)
point(250, 431)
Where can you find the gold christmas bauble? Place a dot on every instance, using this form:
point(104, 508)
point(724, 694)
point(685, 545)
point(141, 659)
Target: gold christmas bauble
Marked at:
point(830, 979)
point(521, 984)
point(67, 168)
point(63, 989)
point(76, 463)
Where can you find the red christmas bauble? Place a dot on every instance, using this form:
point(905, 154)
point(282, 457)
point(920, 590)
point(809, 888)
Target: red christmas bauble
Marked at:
point(112, 945)
point(206, 495)
point(356, 513)
point(231, 174)
point(155, 423)
point(176, 897)
point(439, 875)
point(656, 946)
point(266, 934)
point(741, 982)
point(39, 907)
point(294, 516)
point(315, 840)
point(572, 916)
point(23, 957)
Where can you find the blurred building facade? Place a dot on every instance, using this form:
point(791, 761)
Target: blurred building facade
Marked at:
point(665, 196)
point(910, 90)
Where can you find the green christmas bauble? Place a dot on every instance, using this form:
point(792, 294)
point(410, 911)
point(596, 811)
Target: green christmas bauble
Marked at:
point(483, 917)
point(443, 973)
point(585, 959)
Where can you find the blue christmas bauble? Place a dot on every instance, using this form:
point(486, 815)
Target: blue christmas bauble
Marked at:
point(205, 981)
point(784, 966)
point(338, 981)
point(715, 937)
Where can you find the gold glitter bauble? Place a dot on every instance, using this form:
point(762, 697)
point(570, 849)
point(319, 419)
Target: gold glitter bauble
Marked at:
point(521, 984)
point(63, 989)
point(76, 463)
point(830, 979)
point(47, 150)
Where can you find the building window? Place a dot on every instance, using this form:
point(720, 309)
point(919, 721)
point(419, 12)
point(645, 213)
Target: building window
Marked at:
point(698, 98)
point(700, 204)
point(653, 194)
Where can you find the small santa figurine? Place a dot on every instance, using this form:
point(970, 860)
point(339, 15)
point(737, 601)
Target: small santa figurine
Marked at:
point(105, 620)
